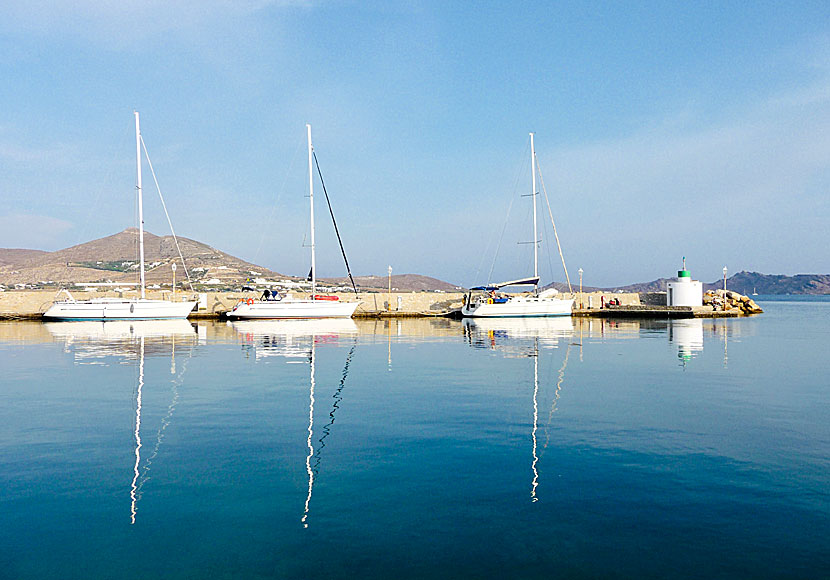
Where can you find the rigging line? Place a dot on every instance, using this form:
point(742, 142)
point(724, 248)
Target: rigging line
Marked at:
point(548, 253)
point(279, 196)
point(338, 396)
point(167, 215)
point(178, 380)
point(507, 217)
point(555, 235)
point(556, 394)
point(336, 231)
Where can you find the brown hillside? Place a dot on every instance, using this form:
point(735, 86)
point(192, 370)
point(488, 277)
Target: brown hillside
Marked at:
point(115, 258)
point(10, 256)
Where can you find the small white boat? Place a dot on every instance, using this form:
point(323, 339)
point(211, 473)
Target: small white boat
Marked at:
point(117, 309)
point(317, 306)
point(122, 308)
point(489, 303)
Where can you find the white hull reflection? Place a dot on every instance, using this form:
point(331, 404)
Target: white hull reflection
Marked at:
point(503, 333)
point(93, 341)
point(119, 329)
point(292, 338)
point(525, 327)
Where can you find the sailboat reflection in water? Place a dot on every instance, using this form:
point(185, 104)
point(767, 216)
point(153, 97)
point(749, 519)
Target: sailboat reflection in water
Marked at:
point(300, 339)
point(526, 338)
point(95, 342)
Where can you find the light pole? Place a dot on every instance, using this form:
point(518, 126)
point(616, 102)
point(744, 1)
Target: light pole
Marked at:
point(389, 301)
point(724, 287)
point(173, 267)
point(581, 305)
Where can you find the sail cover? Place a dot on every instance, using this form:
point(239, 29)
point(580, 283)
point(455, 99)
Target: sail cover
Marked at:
point(521, 282)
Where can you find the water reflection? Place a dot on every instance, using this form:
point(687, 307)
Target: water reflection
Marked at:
point(517, 336)
point(290, 338)
point(687, 334)
point(300, 339)
point(92, 342)
point(526, 338)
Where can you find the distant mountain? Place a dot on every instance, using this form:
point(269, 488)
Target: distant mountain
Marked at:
point(400, 282)
point(747, 282)
point(115, 258)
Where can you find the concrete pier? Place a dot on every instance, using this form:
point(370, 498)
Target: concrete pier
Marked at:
point(31, 304)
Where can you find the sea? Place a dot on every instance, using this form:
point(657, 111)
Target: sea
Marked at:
point(418, 448)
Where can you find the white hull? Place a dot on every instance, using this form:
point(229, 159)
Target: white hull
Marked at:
point(519, 306)
point(118, 309)
point(108, 330)
point(294, 309)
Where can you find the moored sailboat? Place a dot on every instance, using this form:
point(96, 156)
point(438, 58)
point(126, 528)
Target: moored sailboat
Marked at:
point(489, 303)
point(122, 308)
point(317, 305)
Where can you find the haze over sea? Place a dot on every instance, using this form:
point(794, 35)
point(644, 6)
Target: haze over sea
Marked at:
point(417, 448)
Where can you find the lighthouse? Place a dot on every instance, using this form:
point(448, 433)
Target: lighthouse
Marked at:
point(683, 291)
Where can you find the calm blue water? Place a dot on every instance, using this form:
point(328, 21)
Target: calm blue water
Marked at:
point(419, 448)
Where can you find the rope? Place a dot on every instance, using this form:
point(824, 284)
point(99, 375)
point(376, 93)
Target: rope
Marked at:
point(336, 231)
point(555, 235)
point(167, 215)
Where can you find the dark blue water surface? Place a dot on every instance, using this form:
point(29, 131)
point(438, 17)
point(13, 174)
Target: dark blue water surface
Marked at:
point(418, 448)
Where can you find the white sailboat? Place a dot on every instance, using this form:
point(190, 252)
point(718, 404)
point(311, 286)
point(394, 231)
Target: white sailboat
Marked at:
point(122, 308)
point(489, 304)
point(317, 306)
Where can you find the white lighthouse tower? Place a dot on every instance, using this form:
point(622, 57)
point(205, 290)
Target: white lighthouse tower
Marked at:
point(683, 291)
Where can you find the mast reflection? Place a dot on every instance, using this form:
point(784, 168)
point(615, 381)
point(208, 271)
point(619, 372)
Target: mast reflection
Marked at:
point(300, 339)
point(525, 338)
point(130, 341)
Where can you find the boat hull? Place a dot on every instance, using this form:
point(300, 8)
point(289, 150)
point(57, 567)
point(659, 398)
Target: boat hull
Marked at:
point(293, 309)
point(519, 307)
point(118, 309)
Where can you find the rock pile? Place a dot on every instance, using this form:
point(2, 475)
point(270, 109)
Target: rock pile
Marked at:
point(718, 301)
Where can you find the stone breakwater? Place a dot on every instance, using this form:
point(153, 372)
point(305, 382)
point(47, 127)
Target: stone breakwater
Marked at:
point(31, 304)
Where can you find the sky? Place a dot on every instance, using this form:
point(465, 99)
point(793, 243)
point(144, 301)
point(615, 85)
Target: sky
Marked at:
point(662, 130)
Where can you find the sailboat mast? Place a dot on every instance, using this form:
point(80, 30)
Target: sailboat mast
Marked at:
point(533, 199)
point(311, 202)
point(140, 202)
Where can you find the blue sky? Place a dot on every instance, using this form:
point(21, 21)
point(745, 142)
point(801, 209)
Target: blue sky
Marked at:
point(662, 129)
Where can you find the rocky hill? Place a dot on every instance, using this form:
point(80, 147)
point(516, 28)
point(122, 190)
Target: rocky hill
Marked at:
point(115, 258)
point(747, 282)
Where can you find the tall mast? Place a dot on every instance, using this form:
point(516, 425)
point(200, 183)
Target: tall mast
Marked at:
point(311, 202)
point(140, 204)
point(533, 199)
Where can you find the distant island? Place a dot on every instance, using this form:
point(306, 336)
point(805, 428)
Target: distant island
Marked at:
point(113, 259)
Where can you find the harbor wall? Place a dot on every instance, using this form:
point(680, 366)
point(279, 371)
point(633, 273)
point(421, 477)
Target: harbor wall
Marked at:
point(28, 304)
